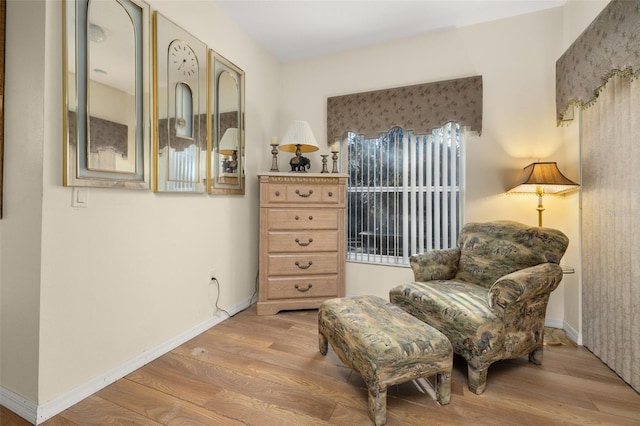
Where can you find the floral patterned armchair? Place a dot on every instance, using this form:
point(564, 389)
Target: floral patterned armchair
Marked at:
point(489, 294)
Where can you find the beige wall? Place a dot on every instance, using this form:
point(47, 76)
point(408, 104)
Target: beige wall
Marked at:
point(86, 290)
point(22, 217)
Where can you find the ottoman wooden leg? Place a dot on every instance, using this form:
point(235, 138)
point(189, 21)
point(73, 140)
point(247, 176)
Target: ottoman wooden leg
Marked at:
point(443, 388)
point(378, 405)
point(322, 343)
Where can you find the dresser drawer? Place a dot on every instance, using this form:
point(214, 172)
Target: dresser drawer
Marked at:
point(288, 288)
point(292, 219)
point(301, 193)
point(302, 241)
point(302, 264)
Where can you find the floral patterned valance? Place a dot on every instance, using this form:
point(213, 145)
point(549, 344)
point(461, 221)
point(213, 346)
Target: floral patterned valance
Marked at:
point(610, 45)
point(419, 108)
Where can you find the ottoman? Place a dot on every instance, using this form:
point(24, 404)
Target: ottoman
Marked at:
point(385, 346)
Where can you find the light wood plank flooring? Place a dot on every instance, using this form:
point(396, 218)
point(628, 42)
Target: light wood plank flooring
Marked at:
point(266, 370)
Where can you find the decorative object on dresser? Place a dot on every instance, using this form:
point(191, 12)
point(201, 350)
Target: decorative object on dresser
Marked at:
point(335, 148)
point(302, 240)
point(299, 138)
point(324, 163)
point(274, 154)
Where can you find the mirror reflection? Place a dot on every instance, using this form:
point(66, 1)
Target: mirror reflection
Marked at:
point(227, 163)
point(111, 90)
point(181, 108)
point(104, 82)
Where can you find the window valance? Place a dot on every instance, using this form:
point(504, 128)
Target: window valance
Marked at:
point(610, 45)
point(419, 108)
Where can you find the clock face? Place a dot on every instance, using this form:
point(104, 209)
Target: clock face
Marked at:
point(183, 59)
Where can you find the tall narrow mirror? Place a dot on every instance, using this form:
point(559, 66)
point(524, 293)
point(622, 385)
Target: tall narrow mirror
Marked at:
point(180, 81)
point(227, 119)
point(106, 125)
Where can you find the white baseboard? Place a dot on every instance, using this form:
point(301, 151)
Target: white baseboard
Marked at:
point(572, 333)
point(36, 414)
point(18, 404)
point(553, 323)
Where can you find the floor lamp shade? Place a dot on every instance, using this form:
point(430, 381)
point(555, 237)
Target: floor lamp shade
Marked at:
point(543, 179)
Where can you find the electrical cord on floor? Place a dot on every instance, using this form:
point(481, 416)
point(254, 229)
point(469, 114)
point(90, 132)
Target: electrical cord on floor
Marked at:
point(218, 308)
point(255, 291)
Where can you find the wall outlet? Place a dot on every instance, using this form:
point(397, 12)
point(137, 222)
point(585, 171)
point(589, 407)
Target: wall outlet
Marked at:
point(213, 273)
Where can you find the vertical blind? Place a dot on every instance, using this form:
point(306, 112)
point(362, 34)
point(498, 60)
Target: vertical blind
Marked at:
point(404, 193)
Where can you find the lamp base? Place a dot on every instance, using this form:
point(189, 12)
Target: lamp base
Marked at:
point(299, 163)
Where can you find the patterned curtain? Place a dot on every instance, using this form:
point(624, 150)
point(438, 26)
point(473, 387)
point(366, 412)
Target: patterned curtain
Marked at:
point(599, 74)
point(610, 148)
point(610, 45)
point(419, 108)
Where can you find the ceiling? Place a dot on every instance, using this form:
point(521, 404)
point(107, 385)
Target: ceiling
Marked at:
point(298, 29)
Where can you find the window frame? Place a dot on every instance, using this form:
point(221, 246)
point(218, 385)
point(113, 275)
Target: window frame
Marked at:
point(410, 191)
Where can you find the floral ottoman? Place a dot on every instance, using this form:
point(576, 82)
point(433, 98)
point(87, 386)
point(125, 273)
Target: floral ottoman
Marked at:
point(385, 346)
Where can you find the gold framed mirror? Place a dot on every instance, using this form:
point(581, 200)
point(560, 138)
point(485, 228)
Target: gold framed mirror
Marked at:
point(227, 151)
point(180, 109)
point(106, 93)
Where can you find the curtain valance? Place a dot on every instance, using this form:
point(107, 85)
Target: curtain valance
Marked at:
point(419, 108)
point(610, 45)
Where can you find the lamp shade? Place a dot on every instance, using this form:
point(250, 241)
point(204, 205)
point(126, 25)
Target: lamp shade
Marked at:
point(229, 142)
point(543, 178)
point(298, 136)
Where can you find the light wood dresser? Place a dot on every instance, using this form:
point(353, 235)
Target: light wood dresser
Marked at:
point(302, 240)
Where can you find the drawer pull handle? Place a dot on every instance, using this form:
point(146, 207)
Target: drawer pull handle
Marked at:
point(304, 195)
point(297, 217)
point(304, 244)
point(302, 266)
point(302, 290)
point(277, 193)
point(330, 194)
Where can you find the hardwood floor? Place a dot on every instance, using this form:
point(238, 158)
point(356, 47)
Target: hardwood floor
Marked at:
point(266, 370)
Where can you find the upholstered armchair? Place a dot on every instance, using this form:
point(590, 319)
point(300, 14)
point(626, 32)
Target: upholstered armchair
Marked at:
point(489, 294)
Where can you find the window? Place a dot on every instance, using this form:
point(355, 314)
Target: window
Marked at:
point(404, 193)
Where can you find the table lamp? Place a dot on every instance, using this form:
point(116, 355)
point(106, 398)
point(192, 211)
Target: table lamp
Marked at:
point(229, 147)
point(298, 139)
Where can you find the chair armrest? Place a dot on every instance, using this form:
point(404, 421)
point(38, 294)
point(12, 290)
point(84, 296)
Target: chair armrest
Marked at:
point(524, 284)
point(435, 264)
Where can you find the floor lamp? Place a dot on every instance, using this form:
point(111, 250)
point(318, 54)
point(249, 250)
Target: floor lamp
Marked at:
point(542, 179)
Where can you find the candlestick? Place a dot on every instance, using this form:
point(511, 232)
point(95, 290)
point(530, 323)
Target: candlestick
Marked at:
point(335, 162)
point(324, 163)
point(274, 153)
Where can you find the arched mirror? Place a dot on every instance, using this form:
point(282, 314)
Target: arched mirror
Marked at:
point(227, 142)
point(180, 143)
point(106, 93)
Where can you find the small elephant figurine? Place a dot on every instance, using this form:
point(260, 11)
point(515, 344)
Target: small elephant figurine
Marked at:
point(299, 164)
point(229, 166)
